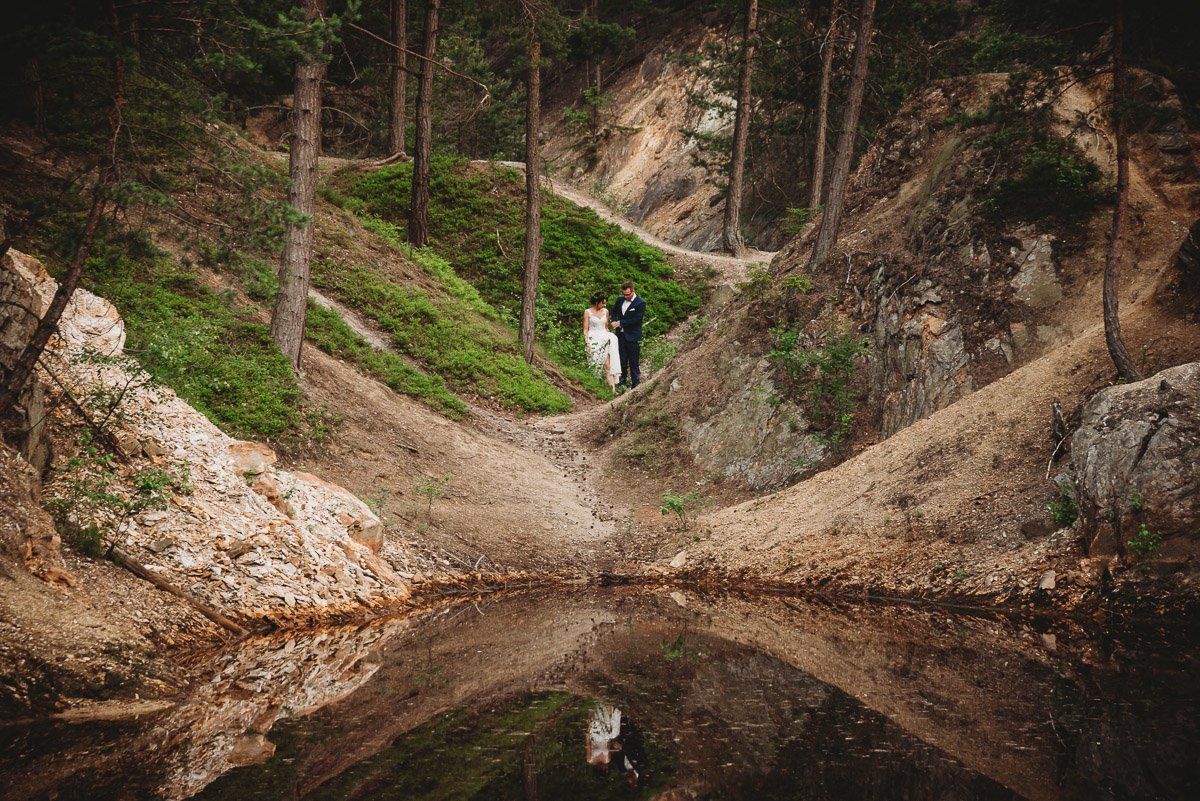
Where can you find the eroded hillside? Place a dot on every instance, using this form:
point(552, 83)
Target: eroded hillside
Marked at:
point(976, 316)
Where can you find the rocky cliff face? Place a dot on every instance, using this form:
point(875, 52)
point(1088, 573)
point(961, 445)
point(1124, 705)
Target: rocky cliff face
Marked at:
point(199, 509)
point(640, 160)
point(20, 309)
point(27, 534)
point(949, 296)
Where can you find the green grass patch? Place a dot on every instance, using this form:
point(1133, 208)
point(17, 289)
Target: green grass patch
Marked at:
point(470, 354)
point(214, 355)
point(477, 224)
point(329, 332)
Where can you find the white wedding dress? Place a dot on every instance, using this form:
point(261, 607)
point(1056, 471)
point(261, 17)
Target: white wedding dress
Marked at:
point(603, 344)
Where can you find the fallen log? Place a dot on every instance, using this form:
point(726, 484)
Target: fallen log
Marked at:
point(122, 558)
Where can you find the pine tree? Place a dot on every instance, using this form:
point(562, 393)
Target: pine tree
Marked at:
point(731, 233)
point(835, 204)
point(418, 218)
point(291, 304)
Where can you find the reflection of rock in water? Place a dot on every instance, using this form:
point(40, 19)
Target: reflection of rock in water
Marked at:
point(226, 721)
point(223, 724)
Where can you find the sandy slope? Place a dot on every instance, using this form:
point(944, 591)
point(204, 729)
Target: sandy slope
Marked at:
point(940, 506)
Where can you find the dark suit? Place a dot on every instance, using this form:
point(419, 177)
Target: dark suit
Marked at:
point(629, 338)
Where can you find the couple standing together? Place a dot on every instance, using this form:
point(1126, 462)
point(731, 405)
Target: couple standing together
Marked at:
point(613, 337)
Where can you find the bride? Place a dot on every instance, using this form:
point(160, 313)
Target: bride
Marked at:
point(601, 343)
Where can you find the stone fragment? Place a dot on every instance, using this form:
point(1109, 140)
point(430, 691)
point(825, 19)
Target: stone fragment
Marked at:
point(251, 748)
point(251, 458)
point(1047, 581)
point(1136, 458)
point(679, 560)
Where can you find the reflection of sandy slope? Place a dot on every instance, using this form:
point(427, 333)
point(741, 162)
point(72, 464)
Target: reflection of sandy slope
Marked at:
point(223, 724)
point(956, 685)
point(963, 685)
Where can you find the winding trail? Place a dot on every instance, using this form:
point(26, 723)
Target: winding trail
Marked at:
point(730, 268)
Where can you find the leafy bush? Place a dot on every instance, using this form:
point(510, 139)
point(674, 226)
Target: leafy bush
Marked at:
point(826, 372)
point(682, 506)
point(1038, 173)
point(1146, 542)
point(1051, 179)
point(757, 284)
point(1064, 510)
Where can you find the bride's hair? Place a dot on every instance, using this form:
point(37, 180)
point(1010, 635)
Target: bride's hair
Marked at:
point(599, 297)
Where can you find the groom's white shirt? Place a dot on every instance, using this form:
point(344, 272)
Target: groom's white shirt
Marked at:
point(625, 305)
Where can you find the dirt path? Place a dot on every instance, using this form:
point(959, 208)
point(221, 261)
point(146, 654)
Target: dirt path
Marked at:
point(730, 268)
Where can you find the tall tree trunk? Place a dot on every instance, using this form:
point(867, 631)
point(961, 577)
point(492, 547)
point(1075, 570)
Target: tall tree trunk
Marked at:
point(731, 234)
point(291, 304)
point(835, 202)
point(596, 65)
point(37, 93)
point(1116, 245)
point(418, 218)
point(594, 71)
point(399, 78)
point(533, 195)
point(818, 170)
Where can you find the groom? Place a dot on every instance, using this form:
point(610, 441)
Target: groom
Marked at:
point(626, 315)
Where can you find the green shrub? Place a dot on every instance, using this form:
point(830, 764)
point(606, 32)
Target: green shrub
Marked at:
point(682, 506)
point(798, 283)
point(1037, 172)
point(826, 373)
point(1145, 543)
point(797, 219)
point(757, 284)
point(1051, 179)
point(1064, 510)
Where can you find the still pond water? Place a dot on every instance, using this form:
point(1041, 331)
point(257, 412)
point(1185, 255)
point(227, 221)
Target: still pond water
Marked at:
point(619, 695)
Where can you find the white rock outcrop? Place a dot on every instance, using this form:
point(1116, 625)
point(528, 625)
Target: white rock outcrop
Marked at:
point(249, 538)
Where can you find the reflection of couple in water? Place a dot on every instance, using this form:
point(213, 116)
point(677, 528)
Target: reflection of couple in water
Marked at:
point(612, 738)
